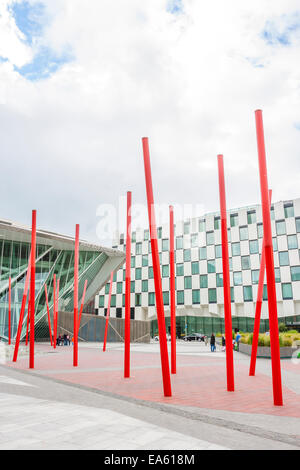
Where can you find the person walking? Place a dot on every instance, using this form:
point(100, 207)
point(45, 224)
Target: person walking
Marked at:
point(212, 343)
point(223, 343)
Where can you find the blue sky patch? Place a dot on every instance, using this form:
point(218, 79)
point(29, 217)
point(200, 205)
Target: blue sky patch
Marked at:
point(274, 35)
point(30, 19)
point(175, 6)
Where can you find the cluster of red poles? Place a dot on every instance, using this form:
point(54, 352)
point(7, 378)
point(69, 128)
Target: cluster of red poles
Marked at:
point(267, 261)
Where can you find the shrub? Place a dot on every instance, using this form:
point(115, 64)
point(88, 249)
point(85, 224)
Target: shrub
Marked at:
point(219, 335)
point(250, 338)
point(267, 341)
point(261, 340)
point(282, 327)
point(281, 339)
point(287, 342)
point(292, 332)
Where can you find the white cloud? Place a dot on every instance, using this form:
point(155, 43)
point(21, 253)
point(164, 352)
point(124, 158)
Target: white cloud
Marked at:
point(188, 81)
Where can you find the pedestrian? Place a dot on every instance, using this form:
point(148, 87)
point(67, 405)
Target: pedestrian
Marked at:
point(237, 340)
point(212, 343)
point(65, 339)
point(223, 343)
point(206, 340)
point(68, 340)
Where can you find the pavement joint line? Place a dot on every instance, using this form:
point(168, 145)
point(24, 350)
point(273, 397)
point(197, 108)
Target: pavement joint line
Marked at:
point(172, 409)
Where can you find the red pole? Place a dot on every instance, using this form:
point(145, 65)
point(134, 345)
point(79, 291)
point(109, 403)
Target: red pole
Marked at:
point(108, 311)
point(75, 332)
point(258, 306)
point(48, 313)
point(271, 287)
point(28, 320)
point(127, 290)
point(9, 310)
point(226, 278)
point(156, 273)
point(18, 337)
point(32, 290)
point(82, 302)
point(54, 310)
point(172, 293)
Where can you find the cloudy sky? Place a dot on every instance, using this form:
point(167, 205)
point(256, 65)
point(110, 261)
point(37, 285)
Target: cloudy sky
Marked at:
point(82, 81)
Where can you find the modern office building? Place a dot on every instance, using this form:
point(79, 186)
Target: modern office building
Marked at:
point(199, 280)
point(54, 255)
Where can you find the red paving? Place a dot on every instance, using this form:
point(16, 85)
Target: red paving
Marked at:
point(200, 380)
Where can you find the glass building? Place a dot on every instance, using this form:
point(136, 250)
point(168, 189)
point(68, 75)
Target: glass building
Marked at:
point(198, 270)
point(54, 255)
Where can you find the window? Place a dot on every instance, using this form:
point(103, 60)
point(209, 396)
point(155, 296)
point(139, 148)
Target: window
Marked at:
point(122, 239)
point(151, 299)
point(265, 292)
point(150, 272)
point(146, 235)
point(132, 315)
point(180, 297)
point(211, 266)
point(244, 233)
point(188, 282)
point(179, 243)
point(165, 270)
point(253, 247)
point(230, 264)
point(145, 285)
point(260, 230)
point(166, 298)
point(217, 224)
point(186, 228)
point(144, 260)
point(133, 261)
point(232, 294)
point(219, 280)
point(123, 302)
point(107, 288)
point(194, 240)
point(234, 220)
point(179, 269)
point(196, 296)
point(113, 300)
point(210, 238)
point(187, 255)
point(280, 227)
point(251, 217)
point(288, 210)
point(195, 267)
point(246, 262)
point(277, 275)
point(119, 287)
point(138, 300)
point(115, 277)
point(165, 244)
point(118, 312)
point(101, 301)
point(138, 274)
point(275, 245)
point(272, 213)
point(284, 258)
point(132, 286)
point(298, 224)
point(202, 253)
point(124, 274)
point(138, 248)
point(292, 242)
point(237, 278)
point(202, 225)
point(133, 238)
point(287, 292)
point(236, 249)
point(248, 295)
point(295, 273)
point(203, 281)
point(218, 251)
point(255, 276)
point(212, 296)
point(159, 232)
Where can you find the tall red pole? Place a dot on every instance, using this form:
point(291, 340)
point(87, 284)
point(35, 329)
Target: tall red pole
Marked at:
point(108, 311)
point(258, 306)
point(172, 293)
point(28, 320)
point(24, 299)
point(156, 273)
point(271, 287)
point(32, 290)
point(127, 290)
point(226, 278)
point(48, 313)
point(54, 310)
point(82, 303)
point(9, 310)
point(75, 330)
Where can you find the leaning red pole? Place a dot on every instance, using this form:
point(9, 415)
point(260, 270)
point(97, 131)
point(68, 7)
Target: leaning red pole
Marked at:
point(226, 278)
point(9, 310)
point(48, 314)
point(82, 303)
point(172, 293)
point(32, 290)
point(127, 290)
point(271, 287)
point(54, 310)
point(258, 306)
point(75, 328)
point(24, 299)
point(28, 321)
point(108, 311)
point(156, 274)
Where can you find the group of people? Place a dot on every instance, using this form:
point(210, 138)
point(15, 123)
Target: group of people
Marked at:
point(235, 342)
point(63, 340)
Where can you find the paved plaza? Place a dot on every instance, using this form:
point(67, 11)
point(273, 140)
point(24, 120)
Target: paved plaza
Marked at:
point(94, 407)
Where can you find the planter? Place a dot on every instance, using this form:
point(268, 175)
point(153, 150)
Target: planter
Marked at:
point(265, 351)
